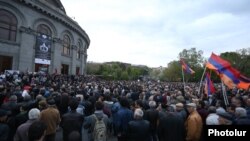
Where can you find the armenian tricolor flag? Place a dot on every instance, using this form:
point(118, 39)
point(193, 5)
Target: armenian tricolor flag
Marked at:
point(209, 86)
point(186, 68)
point(244, 82)
point(229, 75)
point(217, 63)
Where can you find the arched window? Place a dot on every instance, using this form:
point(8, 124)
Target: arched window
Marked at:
point(66, 45)
point(78, 54)
point(8, 25)
point(44, 29)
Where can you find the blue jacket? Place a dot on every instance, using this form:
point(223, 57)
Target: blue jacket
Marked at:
point(124, 116)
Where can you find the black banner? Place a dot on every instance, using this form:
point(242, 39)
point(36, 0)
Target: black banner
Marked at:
point(43, 49)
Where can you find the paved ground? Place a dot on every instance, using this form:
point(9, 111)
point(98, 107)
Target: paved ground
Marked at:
point(84, 138)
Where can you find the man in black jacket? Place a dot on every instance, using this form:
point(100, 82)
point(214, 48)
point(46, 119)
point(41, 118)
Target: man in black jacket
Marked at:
point(4, 128)
point(72, 121)
point(138, 129)
point(171, 127)
point(152, 116)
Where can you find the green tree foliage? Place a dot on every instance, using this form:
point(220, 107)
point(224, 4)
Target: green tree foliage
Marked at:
point(118, 71)
point(173, 71)
point(244, 64)
point(93, 68)
point(157, 74)
point(124, 75)
point(233, 57)
point(193, 58)
point(123, 71)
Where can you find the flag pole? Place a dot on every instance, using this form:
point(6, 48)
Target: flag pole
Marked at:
point(224, 93)
point(183, 80)
point(201, 80)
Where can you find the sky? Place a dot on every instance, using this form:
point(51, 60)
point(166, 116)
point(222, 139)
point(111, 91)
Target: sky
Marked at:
point(154, 32)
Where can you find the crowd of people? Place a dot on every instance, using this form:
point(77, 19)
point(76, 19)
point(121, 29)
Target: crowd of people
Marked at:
point(34, 106)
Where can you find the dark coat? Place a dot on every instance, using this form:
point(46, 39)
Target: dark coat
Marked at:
point(152, 116)
point(171, 128)
point(71, 121)
point(124, 116)
point(4, 131)
point(22, 131)
point(21, 118)
point(242, 121)
point(138, 130)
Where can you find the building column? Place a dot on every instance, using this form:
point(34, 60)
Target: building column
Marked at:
point(73, 60)
point(57, 53)
point(27, 50)
point(83, 62)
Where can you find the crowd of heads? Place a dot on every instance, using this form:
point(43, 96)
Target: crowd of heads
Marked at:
point(35, 92)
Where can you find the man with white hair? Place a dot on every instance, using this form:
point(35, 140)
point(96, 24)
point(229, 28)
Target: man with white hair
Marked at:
point(241, 116)
point(212, 118)
point(138, 129)
point(22, 130)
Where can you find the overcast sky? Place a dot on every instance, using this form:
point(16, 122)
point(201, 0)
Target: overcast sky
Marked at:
point(153, 32)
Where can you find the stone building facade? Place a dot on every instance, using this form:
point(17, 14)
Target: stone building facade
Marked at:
point(27, 25)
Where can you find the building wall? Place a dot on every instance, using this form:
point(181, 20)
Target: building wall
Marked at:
point(30, 14)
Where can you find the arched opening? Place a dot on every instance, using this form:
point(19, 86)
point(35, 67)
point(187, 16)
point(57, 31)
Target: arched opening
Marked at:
point(66, 45)
point(43, 49)
point(8, 25)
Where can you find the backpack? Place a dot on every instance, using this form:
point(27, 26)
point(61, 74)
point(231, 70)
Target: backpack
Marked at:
point(100, 131)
